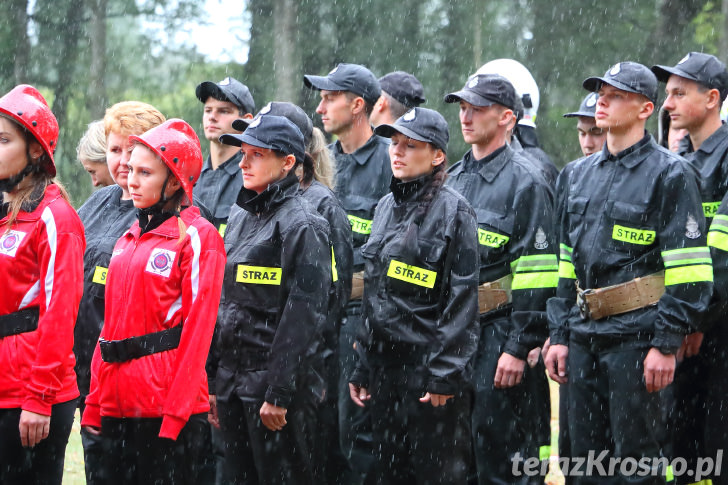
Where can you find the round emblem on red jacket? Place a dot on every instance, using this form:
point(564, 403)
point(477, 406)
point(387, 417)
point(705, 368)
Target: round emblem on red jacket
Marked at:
point(10, 241)
point(161, 262)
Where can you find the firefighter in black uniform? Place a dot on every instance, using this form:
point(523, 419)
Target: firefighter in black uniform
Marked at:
point(517, 275)
point(635, 276)
point(401, 92)
point(271, 312)
point(591, 137)
point(348, 94)
point(696, 88)
point(220, 181)
point(420, 303)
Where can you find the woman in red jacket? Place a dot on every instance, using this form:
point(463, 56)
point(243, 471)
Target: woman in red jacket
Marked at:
point(41, 265)
point(148, 382)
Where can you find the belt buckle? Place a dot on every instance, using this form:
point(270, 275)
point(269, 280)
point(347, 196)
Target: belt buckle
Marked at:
point(582, 304)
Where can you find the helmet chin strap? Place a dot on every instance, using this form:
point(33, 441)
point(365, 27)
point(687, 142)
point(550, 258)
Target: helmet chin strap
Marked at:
point(9, 184)
point(156, 209)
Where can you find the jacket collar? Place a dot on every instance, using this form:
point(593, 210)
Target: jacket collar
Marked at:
point(490, 166)
point(362, 154)
point(230, 165)
point(709, 145)
point(410, 191)
point(629, 157)
point(32, 209)
point(170, 227)
point(276, 193)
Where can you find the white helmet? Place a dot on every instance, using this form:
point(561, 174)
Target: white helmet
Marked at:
point(522, 80)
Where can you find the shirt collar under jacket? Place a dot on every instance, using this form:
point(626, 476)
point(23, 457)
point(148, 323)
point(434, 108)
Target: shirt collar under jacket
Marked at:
point(489, 166)
point(629, 157)
point(709, 145)
point(362, 154)
point(410, 191)
point(273, 196)
point(231, 165)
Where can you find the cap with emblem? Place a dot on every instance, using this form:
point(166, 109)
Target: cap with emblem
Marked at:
point(347, 77)
point(403, 87)
point(229, 89)
point(587, 107)
point(704, 69)
point(627, 76)
point(420, 124)
point(285, 109)
point(485, 90)
point(271, 132)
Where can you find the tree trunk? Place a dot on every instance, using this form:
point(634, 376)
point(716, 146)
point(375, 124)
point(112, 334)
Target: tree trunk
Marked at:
point(96, 100)
point(286, 64)
point(22, 42)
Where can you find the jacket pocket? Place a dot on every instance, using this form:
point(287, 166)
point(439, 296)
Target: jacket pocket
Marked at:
point(629, 228)
point(576, 208)
point(494, 233)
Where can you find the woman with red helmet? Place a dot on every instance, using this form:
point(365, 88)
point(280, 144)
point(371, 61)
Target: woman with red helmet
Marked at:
point(41, 263)
point(149, 394)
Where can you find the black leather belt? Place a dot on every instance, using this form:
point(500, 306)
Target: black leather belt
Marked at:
point(113, 351)
point(22, 321)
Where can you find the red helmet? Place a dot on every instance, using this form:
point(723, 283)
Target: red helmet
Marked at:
point(176, 143)
point(26, 105)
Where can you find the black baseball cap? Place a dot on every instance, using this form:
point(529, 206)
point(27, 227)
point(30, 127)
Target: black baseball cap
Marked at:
point(285, 109)
point(704, 69)
point(229, 89)
point(627, 76)
point(403, 87)
point(271, 132)
point(419, 124)
point(587, 108)
point(347, 77)
point(485, 90)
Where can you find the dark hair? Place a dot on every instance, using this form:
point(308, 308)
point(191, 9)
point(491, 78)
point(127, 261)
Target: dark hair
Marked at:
point(396, 109)
point(368, 107)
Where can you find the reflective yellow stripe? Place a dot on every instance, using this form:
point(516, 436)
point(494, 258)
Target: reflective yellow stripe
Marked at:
point(565, 252)
point(359, 225)
point(541, 262)
point(411, 274)
point(676, 255)
point(544, 452)
point(688, 274)
point(566, 270)
point(334, 273)
point(710, 209)
point(702, 482)
point(492, 239)
point(258, 275)
point(100, 275)
point(718, 240)
point(633, 236)
point(720, 223)
point(221, 230)
point(546, 279)
point(669, 475)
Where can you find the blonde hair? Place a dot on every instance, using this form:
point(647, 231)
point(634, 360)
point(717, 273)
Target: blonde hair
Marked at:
point(92, 146)
point(131, 118)
point(324, 163)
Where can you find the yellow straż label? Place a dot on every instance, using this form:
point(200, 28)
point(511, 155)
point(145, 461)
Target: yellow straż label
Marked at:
point(492, 239)
point(633, 236)
point(100, 275)
point(359, 225)
point(334, 273)
point(259, 275)
point(221, 230)
point(710, 209)
point(411, 274)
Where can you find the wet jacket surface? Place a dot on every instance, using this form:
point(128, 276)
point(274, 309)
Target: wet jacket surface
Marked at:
point(157, 281)
point(513, 206)
point(275, 294)
point(362, 178)
point(217, 189)
point(625, 216)
point(41, 262)
point(105, 218)
point(421, 303)
point(527, 139)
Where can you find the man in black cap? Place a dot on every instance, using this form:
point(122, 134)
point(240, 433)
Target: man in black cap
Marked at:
point(591, 137)
point(696, 88)
point(401, 92)
point(348, 94)
point(518, 273)
point(220, 180)
point(632, 242)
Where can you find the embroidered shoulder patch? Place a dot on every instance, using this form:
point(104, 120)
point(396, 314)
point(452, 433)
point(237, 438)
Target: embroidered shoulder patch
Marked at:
point(10, 241)
point(160, 262)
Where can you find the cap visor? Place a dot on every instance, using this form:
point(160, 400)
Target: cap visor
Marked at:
point(321, 83)
point(663, 73)
point(594, 83)
point(253, 141)
point(207, 89)
point(241, 124)
point(468, 97)
point(586, 114)
point(388, 130)
point(231, 139)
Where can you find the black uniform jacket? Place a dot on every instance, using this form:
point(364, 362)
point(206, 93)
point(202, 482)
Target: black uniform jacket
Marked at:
point(217, 189)
point(421, 305)
point(513, 206)
point(275, 294)
point(625, 216)
point(105, 218)
point(362, 178)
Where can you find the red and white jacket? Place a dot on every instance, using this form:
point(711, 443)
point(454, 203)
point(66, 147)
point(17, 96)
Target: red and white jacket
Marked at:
point(41, 264)
point(154, 282)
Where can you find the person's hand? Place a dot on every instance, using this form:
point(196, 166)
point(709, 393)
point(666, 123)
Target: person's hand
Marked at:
point(92, 430)
point(659, 370)
point(690, 346)
point(436, 399)
point(509, 372)
point(545, 348)
point(33, 427)
point(212, 413)
point(359, 394)
point(273, 417)
point(532, 358)
point(556, 363)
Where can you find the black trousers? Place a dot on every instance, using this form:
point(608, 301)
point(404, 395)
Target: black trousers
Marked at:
point(135, 454)
point(416, 442)
point(511, 423)
point(255, 455)
point(610, 409)
point(42, 464)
